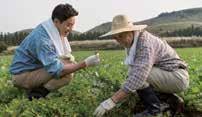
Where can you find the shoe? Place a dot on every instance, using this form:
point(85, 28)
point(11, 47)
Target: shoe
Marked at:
point(150, 101)
point(36, 93)
point(176, 103)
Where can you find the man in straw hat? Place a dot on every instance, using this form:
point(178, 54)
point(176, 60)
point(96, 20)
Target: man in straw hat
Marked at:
point(153, 66)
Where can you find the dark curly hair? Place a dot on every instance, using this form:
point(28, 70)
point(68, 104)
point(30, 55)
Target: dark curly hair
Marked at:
point(63, 11)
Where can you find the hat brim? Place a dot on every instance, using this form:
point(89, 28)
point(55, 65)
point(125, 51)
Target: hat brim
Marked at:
point(134, 28)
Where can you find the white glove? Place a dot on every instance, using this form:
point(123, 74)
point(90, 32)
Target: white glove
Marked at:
point(104, 107)
point(92, 60)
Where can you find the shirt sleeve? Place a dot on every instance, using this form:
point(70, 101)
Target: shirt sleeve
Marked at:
point(138, 73)
point(47, 55)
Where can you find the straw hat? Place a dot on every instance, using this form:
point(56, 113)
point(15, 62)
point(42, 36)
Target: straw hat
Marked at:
point(121, 24)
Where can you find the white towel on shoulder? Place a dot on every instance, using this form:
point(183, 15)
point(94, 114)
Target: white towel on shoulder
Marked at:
point(130, 52)
point(61, 48)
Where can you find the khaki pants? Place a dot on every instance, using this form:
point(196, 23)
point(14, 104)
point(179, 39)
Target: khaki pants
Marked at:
point(168, 82)
point(40, 77)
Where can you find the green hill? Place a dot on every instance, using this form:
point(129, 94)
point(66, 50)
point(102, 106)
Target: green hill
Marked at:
point(194, 14)
point(168, 21)
point(101, 28)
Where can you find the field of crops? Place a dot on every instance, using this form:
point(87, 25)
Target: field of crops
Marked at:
point(90, 87)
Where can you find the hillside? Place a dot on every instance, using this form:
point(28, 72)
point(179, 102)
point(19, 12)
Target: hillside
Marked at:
point(165, 21)
point(101, 28)
point(194, 15)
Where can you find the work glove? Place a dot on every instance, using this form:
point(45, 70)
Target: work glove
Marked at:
point(92, 60)
point(104, 107)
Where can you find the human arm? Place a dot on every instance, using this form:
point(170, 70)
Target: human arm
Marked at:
point(73, 67)
point(119, 96)
point(139, 71)
point(47, 55)
point(137, 75)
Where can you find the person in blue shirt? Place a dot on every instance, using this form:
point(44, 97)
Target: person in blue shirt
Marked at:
point(43, 61)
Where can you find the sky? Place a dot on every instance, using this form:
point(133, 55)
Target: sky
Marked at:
point(17, 15)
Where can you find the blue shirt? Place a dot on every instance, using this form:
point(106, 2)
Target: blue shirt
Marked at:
point(36, 51)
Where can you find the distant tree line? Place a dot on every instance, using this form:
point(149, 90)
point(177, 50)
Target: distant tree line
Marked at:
point(187, 32)
point(85, 36)
point(13, 39)
point(17, 37)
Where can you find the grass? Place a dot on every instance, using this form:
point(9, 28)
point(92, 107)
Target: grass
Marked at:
point(90, 87)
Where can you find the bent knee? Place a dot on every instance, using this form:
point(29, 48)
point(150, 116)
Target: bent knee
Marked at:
point(68, 76)
point(184, 86)
point(19, 84)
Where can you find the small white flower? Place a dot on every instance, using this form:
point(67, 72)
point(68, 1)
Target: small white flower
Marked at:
point(3, 67)
point(96, 74)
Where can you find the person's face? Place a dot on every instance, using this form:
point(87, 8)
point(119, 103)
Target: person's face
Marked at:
point(66, 26)
point(125, 38)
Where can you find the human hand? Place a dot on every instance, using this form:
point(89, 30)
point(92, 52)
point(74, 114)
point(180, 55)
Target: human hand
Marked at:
point(69, 57)
point(92, 60)
point(104, 107)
